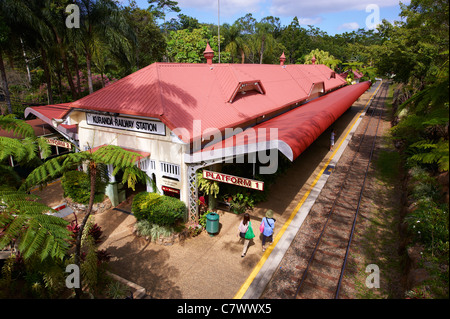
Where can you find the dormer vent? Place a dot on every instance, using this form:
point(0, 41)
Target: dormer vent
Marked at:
point(246, 86)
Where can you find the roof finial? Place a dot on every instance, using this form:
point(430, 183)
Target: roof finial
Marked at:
point(282, 59)
point(313, 60)
point(208, 53)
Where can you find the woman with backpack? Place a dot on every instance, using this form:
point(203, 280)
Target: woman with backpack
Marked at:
point(266, 227)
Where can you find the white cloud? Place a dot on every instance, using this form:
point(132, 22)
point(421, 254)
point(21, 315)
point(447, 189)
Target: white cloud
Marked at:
point(227, 7)
point(310, 21)
point(309, 9)
point(349, 26)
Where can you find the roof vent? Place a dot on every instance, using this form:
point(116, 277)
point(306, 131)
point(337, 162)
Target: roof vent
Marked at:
point(246, 86)
point(208, 54)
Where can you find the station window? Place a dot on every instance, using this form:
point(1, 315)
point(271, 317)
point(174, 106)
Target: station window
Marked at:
point(171, 171)
point(147, 164)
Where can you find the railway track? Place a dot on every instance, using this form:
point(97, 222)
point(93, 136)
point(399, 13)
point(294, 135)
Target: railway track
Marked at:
point(321, 262)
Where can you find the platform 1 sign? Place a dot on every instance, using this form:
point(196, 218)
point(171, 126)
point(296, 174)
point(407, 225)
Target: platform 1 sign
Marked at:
point(59, 143)
point(234, 180)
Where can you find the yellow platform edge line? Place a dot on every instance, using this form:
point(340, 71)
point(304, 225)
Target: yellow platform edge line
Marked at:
point(268, 251)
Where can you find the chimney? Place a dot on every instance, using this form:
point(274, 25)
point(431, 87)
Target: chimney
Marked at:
point(313, 60)
point(208, 54)
point(282, 59)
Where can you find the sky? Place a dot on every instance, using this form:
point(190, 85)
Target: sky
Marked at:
point(331, 16)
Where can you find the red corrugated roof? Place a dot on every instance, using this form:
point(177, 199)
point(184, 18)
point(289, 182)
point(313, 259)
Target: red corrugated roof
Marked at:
point(179, 93)
point(49, 112)
point(296, 129)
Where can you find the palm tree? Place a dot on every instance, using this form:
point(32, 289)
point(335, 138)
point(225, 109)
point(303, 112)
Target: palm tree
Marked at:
point(41, 23)
point(265, 31)
point(102, 22)
point(236, 43)
point(106, 155)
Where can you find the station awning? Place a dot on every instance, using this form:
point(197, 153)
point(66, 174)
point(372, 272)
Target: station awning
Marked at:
point(291, 133)
point(54, 115)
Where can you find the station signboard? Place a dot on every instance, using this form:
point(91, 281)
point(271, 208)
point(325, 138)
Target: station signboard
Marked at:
point(126, 123)
point(234, 180)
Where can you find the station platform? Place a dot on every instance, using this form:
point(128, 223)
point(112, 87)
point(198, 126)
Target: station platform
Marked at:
point(257, 281)
point(211, 267)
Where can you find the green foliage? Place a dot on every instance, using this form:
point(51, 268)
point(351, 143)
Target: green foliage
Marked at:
point(388, 165)
point(188, 46)
point(89, 266)
point(117, 290)
point(322, 57)
point(142, 202)
point(9, 177)
point(429, 224)
point(18, 127)
point(24, 148)
point(108, 154)
point(432, 153)
point(429, 220)
point(38, 233)
point(207, 186)
point(158, 209)
point(240, 202)
point(32, 278)
point(423, 123)
point(77, 186)
point(147, 229)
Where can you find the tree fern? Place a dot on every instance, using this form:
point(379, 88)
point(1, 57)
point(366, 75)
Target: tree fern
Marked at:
point(432, 153)
point(18, 127)
point(22, 218)
point(26, 221)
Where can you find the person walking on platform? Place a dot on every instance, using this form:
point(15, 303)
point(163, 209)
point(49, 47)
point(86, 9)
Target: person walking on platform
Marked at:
point(333, 134)
point(246, 232)
point(266, 227)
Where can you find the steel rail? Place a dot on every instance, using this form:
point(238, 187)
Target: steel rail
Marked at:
point(359, 203)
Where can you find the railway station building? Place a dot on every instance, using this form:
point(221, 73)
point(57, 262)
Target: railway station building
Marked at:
point(183, 116)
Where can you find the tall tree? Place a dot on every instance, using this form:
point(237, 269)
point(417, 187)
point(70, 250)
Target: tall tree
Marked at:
point(150, 44)
point(187, 47)
point(159, 8)
point(5, 33)
point(102, 21)
point(235, 42)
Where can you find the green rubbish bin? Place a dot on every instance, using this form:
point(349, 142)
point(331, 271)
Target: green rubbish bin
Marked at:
point(212, 223)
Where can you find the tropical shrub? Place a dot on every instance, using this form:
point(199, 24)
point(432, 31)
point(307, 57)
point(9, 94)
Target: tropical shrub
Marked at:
point(147, 229)
point(77, 185)
point(429, 220)
point(158, 209)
